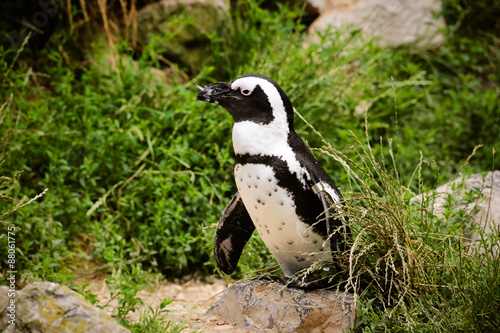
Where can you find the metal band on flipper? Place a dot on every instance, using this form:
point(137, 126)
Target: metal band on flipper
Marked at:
point(318, 187)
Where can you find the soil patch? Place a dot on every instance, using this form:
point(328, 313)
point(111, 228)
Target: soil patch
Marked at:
point(192, 299)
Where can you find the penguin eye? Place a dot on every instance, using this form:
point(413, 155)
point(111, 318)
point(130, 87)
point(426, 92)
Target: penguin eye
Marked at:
point(246, 92)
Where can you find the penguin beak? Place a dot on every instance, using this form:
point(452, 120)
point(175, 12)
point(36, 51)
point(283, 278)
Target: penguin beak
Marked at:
point(215, 93)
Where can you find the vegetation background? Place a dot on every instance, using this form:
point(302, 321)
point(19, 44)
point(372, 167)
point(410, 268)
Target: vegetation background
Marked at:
point(138, 172)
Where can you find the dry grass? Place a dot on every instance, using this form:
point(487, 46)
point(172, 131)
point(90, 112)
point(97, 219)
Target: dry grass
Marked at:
point(101, 16)
point(413, 272)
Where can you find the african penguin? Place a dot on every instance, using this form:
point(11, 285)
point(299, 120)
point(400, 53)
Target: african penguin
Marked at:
point(283, 191)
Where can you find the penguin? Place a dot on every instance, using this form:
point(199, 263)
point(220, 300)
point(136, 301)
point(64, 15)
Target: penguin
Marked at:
point(282, 190)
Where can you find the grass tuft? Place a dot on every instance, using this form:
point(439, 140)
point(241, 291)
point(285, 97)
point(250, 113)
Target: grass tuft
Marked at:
point(412, 269)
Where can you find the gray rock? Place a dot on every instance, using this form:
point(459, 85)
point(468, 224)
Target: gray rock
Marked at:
point(182, 26)
point(270, 307)
point(483, 204)
point(45, 307)
point(395, 22)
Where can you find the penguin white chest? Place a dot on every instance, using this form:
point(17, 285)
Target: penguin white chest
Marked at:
point(273, 211)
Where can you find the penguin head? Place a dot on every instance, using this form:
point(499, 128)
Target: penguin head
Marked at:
point(255, 98)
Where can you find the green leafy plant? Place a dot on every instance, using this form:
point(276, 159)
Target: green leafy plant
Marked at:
point(139, 171)
point(154, 320)
point(123, 284)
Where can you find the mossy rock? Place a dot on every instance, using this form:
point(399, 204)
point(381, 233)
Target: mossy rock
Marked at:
point(47, 307)
point(181, 28)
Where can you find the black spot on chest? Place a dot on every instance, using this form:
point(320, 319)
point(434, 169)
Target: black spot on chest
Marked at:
point(307, 205)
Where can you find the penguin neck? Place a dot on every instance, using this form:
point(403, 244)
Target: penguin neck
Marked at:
point(258, 139)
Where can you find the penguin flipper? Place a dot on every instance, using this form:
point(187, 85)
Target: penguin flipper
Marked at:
point(233, 232)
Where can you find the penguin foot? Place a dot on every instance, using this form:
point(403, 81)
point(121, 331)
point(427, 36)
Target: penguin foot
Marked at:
point(271, 278)
point(307, 285)
point(292, 282)
point(309, 281)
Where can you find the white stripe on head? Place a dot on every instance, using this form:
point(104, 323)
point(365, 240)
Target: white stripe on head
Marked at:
point(269, 139)
point(257, 139)
point(248, 83)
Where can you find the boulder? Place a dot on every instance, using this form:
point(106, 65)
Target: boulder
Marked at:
point(478, 196)
point(46, 307)
point(394, 22)
point(182, 27)
point(270, 307)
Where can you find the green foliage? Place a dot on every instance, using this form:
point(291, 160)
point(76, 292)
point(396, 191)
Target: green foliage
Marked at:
point(120, 150)
point(412, 267)
point(139, 172)
point(82, 289)
point(124, 286)
point(469, 17)
point(154, 321)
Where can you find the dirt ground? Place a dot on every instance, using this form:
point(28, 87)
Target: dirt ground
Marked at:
point(192, 299)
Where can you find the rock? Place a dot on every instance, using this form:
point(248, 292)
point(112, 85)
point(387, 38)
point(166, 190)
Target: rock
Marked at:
point(395, 22)
point(271, 307)
point(182, 27)
point(484, 208)
point(45, 307)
